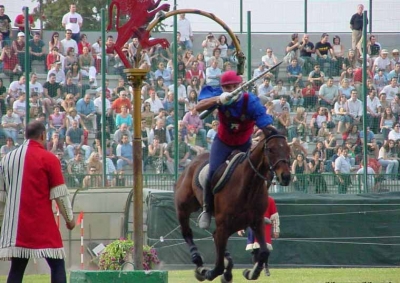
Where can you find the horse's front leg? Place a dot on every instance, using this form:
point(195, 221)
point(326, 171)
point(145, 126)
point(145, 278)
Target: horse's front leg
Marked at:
point(263, 254)
point(220, 240)
point(228, 263)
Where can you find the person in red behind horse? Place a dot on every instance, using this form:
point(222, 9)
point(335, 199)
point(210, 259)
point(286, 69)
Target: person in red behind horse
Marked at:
point(237, 116)
point(271, 217)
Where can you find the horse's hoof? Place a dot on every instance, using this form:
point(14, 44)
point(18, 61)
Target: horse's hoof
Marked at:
point(226, 278)
point(200, 273)
point(249, 274)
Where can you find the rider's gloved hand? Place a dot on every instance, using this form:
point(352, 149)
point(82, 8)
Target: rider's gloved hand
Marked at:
point(226, 98)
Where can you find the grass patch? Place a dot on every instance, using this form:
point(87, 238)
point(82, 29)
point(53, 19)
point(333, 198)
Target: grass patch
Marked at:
point(282, 275)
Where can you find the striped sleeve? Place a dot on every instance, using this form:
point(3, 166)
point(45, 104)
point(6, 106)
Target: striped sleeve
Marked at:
point(3, 192)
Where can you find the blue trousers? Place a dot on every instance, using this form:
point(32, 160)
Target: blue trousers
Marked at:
point(220, 152)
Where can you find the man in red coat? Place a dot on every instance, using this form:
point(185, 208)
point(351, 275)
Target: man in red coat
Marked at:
point(271, 217)
point(30, 178)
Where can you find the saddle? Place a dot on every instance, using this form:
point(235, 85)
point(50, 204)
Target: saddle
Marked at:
point(223, 173)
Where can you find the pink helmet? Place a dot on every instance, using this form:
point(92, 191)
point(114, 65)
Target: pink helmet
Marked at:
point(230, 77)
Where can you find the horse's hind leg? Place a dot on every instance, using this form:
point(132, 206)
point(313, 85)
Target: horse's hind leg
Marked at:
point(263, 254)
point(228, 263)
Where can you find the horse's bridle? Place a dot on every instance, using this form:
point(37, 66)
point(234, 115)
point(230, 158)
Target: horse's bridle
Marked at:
point(271, 167)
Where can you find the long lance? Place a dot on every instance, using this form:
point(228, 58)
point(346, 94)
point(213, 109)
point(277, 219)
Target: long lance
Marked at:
point(237, 91)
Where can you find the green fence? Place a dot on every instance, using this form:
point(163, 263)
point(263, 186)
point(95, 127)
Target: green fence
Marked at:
point(305, 183)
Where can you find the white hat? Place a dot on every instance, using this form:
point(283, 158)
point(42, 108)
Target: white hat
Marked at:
point(21, 33)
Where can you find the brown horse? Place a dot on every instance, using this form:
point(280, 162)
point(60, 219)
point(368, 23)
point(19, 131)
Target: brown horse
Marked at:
point(241, 202)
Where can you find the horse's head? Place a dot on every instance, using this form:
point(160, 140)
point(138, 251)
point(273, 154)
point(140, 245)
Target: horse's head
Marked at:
point(277, 153)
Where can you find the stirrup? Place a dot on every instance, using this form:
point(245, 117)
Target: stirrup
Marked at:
point(204, 220)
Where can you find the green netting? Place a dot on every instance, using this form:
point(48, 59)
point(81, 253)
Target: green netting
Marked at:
point(332, 230)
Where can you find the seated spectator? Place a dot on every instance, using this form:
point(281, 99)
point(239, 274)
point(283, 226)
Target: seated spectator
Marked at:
point(257, 72)
point(16, 87)
point(316, 77)
point(161, 89)
point(296, 147)
point(285, 124)
point(191, 140)
point(270, 60)
point(321, 115)
point(57, 72)
point(3, 94)
point(330, 145)
point(310, 99)
point(345, 88)
point(213, 74)
point(19, 107)
point(53, 57)
point(296, 96)
point(8, 147)
point(124, 153)
point(76, 168)
point(395, 59)
point(183, 154)
point(86, 110)
point(300, 122)
point(76, 75)
point(348, 74)
point(328, 94)
point(11, 66)
point(279, 104)
point(192, 118)
point(155, 102)
point(341, 114)
point(95, 162)
point(325, 56)
point(294, 73)
point(212, 133)
point(350, 60)
point(265, 91)
point(121, 100)
point(124, 118)
point(395, 133)
point(372, 146)
point(37, 50)
point(18, 46)
point(195, 72)
point(323, 132)
point(352, 136)
point(160, 131)
point(55, 144)
point(71, 88)
point(380, 80)
point(72, 115)
point(57, 124)
point(191, 101)
point(164, 73)
point(98, 105)
point(387, 122)
point(123, 130)
point(371, 174)
point(373, 111)
point(307, 49)
point(83, 42)
point(217, 57)
point(74, 141)
point(355, 108)
point(281, 91)
point(391, 90)
point(300, 171)
point(388, 158)
point(156, 155)
point(11, 124)
point(55, 42)
point(382, 62)
point(93, 180)
point(330, 164)
point(86, 63)
point(338, 52)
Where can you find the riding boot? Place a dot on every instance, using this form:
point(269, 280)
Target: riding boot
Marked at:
point(205, 216)
point(266, 267)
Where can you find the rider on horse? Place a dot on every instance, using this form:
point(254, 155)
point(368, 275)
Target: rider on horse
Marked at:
point(237, 116)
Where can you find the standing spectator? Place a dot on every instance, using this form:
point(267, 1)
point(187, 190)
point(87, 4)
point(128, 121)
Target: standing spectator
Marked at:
point(19, 21)
point(73, 21)
point(342, 171)
point(11, 124)
point(356, 25)
point(68, 42)
point(85, 108)
point(306, 51)
point(74, 141)
point(39, 173)
point(124, 153)
point(272, 223)
point(37, 50)
point(185, 29)
point(5, 25)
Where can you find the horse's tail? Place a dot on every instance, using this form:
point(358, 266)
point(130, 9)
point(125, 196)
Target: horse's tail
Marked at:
point(110, 15)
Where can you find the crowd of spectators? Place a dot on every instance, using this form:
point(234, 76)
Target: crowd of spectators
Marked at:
point(318, 99)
